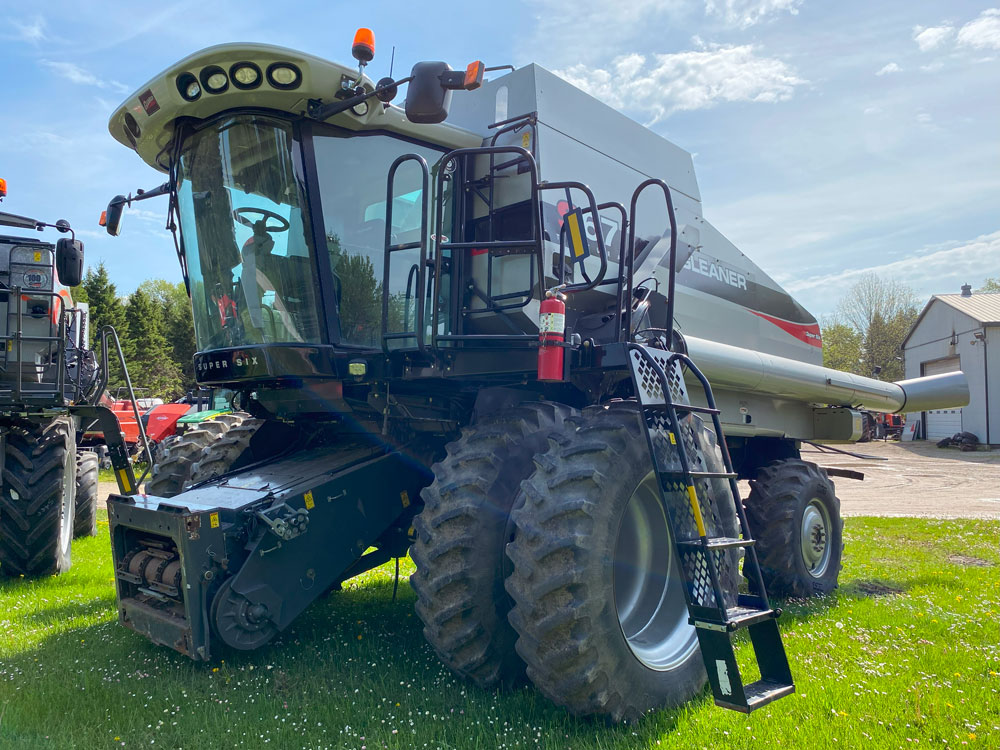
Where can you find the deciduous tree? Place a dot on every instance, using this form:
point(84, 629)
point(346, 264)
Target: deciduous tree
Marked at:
point(881, 311)
point(842, 347)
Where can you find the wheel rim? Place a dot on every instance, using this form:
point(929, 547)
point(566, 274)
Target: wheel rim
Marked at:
point(648, 588)
point(816, 538)
point(66, 503)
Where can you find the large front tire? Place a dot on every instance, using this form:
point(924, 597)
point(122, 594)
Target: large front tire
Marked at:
point(794, 515)
point(598, 592)
point(460, 539)
point(37, 501)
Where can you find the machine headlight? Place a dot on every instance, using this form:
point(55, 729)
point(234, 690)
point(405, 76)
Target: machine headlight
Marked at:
point(213, 78)
point(189, 87)
point(245, 75)
point(283, 75)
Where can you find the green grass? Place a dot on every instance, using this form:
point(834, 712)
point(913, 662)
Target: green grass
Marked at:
point(905, 654)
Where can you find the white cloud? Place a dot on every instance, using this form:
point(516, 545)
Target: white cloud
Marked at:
point(746, 13)
point(932, 37)
point(984, 32)
point(933, 270)
point(667, 83)
point(32, 31)
point(887, 69)
point(576, 30)
point(75, 74)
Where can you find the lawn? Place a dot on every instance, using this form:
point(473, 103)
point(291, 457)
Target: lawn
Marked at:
point(905, 654)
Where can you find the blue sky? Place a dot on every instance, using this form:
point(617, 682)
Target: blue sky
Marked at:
point(829, 138)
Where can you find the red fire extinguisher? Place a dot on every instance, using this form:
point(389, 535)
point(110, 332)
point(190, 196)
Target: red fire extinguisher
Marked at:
point(551, 334)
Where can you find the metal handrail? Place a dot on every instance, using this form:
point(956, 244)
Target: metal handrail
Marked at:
point(595, 211)
point(440, 245)
point(18, 337)
point(107, 331)
point(389, 249)
point(625, 333)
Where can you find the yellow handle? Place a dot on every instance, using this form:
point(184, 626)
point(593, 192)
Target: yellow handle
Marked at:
point(696, 509)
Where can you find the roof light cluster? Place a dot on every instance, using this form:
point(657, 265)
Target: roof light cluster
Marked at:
point(242, 75)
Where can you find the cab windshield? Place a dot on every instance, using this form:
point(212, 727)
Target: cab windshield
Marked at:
point(250, 262)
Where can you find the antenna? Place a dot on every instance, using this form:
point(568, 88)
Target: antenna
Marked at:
point(392, 60)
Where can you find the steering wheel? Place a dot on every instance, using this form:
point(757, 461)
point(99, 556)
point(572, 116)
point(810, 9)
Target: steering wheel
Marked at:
point(282, 226)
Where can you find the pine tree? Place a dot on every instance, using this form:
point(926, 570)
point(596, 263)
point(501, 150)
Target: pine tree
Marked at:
point(152, 365)
point(178, 326)
point(106, 309)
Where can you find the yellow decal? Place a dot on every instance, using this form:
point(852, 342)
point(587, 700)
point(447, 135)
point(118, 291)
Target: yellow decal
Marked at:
point(698, 520)
point(213, 520)
point(126, 485)
point(673, 440)
point(526, 140)
point(405, 497)
point(310, 503)
point(575, 235)
point(38, 257)
point(10, 346)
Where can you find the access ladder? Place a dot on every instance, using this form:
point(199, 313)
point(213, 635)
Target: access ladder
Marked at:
point(705, 555)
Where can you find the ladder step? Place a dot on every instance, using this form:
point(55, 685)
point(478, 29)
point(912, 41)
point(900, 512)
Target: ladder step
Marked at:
point(734, 618)
point(684, 407)
point(676, 474)
point(717, 542)
point(741, 617)
point(759, 694)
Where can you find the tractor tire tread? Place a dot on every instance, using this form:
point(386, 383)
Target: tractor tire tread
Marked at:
point(773, 507)
point(31, 498)
point(87, 471)
point(460, 537)
point(564, 610)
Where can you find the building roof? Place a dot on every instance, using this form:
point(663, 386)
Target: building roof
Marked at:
point(983, 307)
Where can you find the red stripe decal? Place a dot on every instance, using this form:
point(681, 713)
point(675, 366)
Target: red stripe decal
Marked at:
point(808, 332)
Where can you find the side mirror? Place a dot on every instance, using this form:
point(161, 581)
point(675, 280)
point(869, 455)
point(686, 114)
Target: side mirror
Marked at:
point(112, 218)
point(428, 96)
point(69, 261)
point(427, 100)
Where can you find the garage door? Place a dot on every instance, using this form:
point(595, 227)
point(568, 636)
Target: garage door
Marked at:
point(942, 423)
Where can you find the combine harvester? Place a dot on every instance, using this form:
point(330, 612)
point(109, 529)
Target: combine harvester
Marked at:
point(442, 341)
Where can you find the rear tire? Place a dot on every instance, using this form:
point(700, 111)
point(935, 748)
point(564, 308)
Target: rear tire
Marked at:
point(172, 473)
point(460, 539)
point(85, 519)
point(37, 501)
point(794, 515)
point(599, 595)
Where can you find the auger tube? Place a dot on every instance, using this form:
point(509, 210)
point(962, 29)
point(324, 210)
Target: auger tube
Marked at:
point(731, 367)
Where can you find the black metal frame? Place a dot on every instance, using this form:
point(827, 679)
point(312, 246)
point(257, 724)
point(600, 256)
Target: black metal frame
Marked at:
point(56, 395)
point(626, 271)
point(421, 244)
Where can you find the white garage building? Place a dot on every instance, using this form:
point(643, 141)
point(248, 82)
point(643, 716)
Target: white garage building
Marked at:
point(959, 332)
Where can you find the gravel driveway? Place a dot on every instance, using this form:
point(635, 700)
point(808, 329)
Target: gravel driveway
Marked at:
point(919, 479)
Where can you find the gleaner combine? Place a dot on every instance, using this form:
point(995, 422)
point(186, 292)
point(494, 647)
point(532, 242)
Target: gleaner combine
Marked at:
point(51, 385)
point(442, 340)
